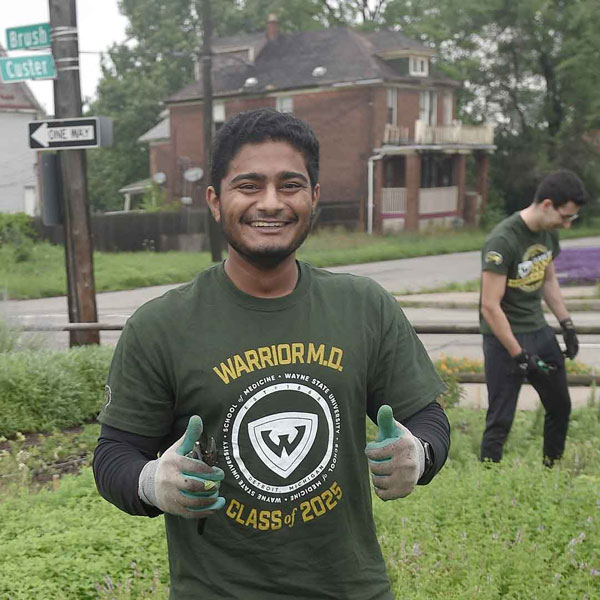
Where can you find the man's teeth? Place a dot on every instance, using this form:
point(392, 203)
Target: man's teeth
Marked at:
point(266, 224)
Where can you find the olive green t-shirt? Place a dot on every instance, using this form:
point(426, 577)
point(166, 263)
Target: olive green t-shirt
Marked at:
point(283, 385)
point(512, 249)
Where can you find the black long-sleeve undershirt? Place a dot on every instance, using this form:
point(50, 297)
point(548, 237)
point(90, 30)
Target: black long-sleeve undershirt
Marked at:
point(120, 456)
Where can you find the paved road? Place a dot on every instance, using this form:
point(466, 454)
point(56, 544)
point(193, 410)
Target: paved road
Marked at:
point(426, 272)
point(396, 275)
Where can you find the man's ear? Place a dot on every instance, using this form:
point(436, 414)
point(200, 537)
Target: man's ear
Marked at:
point(547, 204)
point(213, 203)
point(316, 194)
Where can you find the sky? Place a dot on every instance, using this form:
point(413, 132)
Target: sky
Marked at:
point(99, 25)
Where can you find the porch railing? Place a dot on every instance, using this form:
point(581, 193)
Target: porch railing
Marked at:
point(454, 134)
point(432, 201)
point(393, 201)
point(438, 200)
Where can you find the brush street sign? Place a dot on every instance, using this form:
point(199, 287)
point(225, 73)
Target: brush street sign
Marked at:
point(70, 134)
point(28, 37)
point(22, 68)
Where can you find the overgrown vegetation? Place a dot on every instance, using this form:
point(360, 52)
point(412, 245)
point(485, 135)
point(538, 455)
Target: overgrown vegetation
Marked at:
point(514, 530)
point(42, 273)
point(46, 390)
point(511, 530)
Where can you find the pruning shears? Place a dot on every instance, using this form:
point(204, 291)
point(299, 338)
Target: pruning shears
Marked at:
point(206, 451)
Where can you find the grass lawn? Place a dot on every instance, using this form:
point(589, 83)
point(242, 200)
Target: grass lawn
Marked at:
point(42, 272)
point(514, 530)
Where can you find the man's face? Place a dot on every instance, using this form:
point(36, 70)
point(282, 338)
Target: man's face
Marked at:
point(266, 202)
point(561, 217)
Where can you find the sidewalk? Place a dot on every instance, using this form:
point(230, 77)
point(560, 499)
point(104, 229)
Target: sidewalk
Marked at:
point(580, 298)
point(476, 396)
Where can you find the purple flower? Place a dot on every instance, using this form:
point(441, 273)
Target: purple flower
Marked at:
point(578, 266)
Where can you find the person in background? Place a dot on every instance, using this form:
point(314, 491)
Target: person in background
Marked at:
point(518, 344)
point(236, 404)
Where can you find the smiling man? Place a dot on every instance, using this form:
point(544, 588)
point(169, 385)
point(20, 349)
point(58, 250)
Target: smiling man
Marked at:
point(517, 272)
point(267, 495)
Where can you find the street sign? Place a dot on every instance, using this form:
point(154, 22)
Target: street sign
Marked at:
point(22, 68)
point(70, 134)
point(28, 37)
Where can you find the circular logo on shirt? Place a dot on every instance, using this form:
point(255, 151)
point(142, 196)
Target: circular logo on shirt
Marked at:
point(494, 257)
point(532, 268)
point(281, 436)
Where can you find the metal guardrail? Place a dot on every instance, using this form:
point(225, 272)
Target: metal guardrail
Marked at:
point(419, 328)
point(584, 380)
point(573, 380)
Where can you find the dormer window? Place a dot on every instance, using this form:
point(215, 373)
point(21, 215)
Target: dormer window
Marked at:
point(418, 66)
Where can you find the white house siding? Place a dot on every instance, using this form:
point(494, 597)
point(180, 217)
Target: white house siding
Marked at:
point(18, 172)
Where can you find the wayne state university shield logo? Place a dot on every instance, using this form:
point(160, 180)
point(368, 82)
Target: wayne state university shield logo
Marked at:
point(282, 441)
point(281, 435)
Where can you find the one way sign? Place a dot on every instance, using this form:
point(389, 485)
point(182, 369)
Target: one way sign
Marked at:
point(70, 134)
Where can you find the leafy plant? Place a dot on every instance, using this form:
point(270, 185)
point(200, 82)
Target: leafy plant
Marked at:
point(509, 530)
point(155, 199)
point(45, 390)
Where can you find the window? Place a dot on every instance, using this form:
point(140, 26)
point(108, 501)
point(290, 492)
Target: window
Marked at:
point(447, 108)
point(437, 170)
point(392, 106)
point(418, 66)
point(284, 104)
point(218, 115)
point(428, 108)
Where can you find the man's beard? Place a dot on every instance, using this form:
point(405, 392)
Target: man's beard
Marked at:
point(266, 258)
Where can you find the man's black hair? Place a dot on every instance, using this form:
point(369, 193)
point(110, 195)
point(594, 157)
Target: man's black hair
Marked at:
point(262, 125)
point(560, 187)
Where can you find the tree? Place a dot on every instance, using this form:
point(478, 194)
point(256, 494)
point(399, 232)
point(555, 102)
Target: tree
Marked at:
point(528, 66)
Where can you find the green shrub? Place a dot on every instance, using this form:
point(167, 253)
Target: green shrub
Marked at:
point(16, 231)
point(15, 227)
point(45, 390)
point(70, 544)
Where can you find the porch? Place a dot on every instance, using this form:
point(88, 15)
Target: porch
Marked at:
point(436, 206)
point(419, 186)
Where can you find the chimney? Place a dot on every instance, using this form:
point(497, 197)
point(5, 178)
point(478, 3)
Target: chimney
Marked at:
point(272, 26)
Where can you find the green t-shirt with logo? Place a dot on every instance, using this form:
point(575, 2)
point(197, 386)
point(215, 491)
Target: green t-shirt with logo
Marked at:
point(512, 249)
point(283, 385)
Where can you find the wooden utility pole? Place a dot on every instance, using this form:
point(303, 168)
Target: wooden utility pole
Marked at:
point(214, 232)
point(76, 218)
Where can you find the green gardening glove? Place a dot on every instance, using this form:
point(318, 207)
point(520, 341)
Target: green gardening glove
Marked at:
point(388, 429)
point(180, 485)
point(396, 457)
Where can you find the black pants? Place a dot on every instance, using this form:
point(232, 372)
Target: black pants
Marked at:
point(503, 384)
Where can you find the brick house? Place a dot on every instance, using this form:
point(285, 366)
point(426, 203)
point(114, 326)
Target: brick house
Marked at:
point(392, 154)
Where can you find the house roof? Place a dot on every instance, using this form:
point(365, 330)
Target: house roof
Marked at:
point(137, 187)
point(161, 131)
point(386, 41)
point(287, 62)
point(17, 96)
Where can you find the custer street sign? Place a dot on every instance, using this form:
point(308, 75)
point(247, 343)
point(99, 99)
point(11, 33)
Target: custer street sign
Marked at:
point(22, 68)
point(70, 134)
point(28, 37)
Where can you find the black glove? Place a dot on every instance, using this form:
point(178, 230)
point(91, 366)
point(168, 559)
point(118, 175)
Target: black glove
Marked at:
point(570, 337)
point(530, 363)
